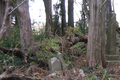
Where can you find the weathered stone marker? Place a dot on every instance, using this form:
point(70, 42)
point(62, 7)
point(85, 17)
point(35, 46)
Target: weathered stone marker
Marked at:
point(57, 63)
point(111, 34)
point(111, 56)
point(54, 64)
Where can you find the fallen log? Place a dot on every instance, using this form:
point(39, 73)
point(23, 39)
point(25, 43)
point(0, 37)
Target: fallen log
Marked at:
point(70, 42)
point(67, 43)
point(22, 54)
point(17, 52)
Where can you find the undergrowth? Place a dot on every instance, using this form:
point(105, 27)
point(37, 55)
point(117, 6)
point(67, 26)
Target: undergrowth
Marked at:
point(12, 40)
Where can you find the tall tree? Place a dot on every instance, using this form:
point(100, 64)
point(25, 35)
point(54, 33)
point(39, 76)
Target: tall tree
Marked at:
point(48, 10)
point(70, 13)
point(96, 36)
point(83, 19)
point(56, 19)
point(25, 25)
point(4, 17)
point(63, 14)
point(2, 11)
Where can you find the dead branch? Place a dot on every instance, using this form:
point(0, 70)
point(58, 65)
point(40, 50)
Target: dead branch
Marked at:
point(16, 7)
point(22, 54)
point(70, 42)
point(17, 52)
point(12, 73)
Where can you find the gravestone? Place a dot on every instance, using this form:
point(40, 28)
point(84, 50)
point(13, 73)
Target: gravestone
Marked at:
point(111, 56)
point(111, 34)
point(57, 63)
point(54, 64)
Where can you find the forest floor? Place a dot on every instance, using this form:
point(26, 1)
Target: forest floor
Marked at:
point(74, 72)
point(76, 67)
point(78, 72)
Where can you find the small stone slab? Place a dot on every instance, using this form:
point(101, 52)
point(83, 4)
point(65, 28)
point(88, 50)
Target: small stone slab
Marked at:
point(54, 64)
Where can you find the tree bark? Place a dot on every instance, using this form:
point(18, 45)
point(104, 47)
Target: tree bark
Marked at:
point(70, 13)
point(2, 11)
point(4, 18)
point(63, 14)
point(83, 19)
point(56, 20)
point(96, 36)
point(48, 10)
point(25, 25)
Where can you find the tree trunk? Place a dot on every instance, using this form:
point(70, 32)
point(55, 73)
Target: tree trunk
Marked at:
point(56, 25)
point(25, 25)
point(83, 19)
point(63, 16)
point(96, 36)
point(2, 11)
point(70, 13)
point(4, 18)
point(48, 10)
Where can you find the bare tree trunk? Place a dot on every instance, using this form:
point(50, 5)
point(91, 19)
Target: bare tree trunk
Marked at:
point(2, 11)
point(25, 25)
point(56, 19)
point(83, 19)
point(63, 16)
point(48, 10)
point(4, 18)
point(96, 36)
point(70, 13)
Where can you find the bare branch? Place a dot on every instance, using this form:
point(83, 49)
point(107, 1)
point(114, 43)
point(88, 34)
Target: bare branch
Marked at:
point(103, 4)
point(17, 7)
